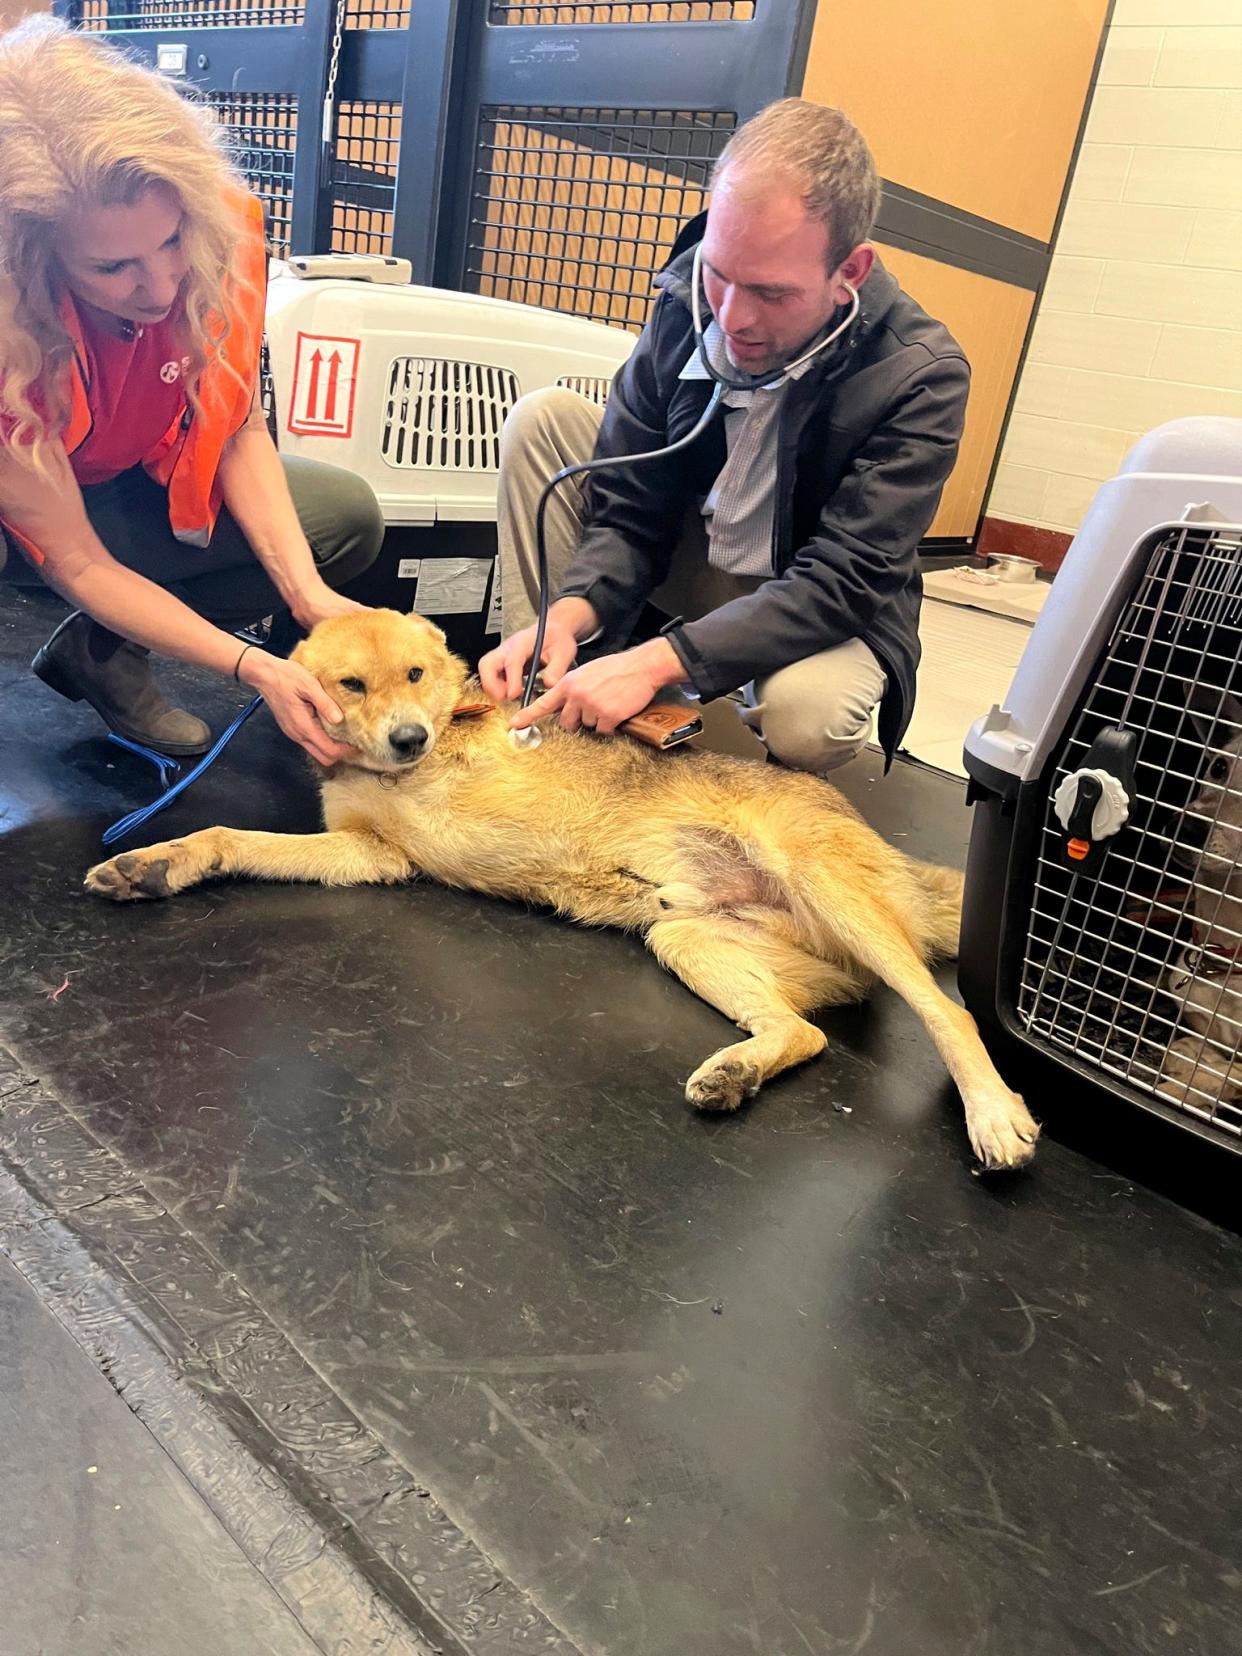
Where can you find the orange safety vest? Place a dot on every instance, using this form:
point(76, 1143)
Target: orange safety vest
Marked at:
point(187, 456)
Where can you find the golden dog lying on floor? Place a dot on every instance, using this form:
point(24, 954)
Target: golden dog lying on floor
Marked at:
point(762, 889)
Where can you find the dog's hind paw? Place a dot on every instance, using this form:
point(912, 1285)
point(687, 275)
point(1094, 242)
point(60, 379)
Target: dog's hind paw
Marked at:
point(1003, 1134)
point(722, 1083)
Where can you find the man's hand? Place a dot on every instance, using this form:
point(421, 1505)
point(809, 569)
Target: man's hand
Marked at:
point(297, 701)
point(320, 603)
point(605, 693)
point(502, 671)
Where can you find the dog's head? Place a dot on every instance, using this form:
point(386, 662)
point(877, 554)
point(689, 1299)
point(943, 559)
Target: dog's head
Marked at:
point(393, 678)
point(1217, 801)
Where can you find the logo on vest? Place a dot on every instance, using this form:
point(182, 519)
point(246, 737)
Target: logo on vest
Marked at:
point(171, 372)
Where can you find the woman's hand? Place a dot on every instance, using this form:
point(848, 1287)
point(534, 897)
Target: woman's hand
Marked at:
point(320, 603)
point(297, 701)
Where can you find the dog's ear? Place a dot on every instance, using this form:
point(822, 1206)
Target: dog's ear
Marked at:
point(311, 653)
point(1231, 713)
point(425, 626)
point(1215, 716)
point(307, 654)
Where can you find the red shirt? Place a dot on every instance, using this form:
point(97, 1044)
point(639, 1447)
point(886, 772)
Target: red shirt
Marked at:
point(135, 393)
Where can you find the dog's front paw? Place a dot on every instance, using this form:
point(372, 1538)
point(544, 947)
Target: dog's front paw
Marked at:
point(722, 1083)
point(138, 876)
point(1003, 1132)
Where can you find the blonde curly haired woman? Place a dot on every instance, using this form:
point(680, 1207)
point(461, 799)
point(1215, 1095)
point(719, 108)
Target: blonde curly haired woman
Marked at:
point(136, 470)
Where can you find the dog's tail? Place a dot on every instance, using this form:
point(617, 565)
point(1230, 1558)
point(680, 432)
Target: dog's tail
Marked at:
point(943, 889)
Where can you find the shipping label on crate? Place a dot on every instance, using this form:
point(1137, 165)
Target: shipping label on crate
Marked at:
point(325, 379)
point(452, 586)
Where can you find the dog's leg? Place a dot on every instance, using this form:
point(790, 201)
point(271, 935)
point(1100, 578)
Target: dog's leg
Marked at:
point(1000, 1126)
point(760, 981)
point(215, 853)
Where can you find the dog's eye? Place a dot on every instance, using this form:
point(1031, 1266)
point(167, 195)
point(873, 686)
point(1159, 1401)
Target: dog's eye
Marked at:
point(1218, 770)
point(415, 674)
point(355, 685)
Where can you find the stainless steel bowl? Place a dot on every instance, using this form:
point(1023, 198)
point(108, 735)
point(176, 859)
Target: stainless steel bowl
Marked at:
point(1010, 568)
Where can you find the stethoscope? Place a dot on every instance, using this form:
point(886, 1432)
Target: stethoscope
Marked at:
point(773, 376)
point(722, 382)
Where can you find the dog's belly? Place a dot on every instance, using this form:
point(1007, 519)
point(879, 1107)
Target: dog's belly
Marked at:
point(537, 867)
point(609, 869)
point(623, 842)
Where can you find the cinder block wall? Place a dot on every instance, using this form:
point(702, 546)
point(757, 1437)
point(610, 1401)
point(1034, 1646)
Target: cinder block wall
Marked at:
point(1141, 319)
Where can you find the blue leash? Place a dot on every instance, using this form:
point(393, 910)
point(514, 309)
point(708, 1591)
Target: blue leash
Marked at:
point(168, 769)
point(167, 766)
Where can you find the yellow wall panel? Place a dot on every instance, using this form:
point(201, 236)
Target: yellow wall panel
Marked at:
point(975, 103)
point(989, 320)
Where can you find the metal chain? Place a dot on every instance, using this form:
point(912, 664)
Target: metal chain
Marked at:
point(334, 64)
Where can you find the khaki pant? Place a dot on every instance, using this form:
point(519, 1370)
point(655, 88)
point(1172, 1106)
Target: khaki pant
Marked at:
point(814, 714)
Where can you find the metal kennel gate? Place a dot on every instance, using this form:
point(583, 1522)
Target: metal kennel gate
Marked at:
point(545, 153)
point(593, 128)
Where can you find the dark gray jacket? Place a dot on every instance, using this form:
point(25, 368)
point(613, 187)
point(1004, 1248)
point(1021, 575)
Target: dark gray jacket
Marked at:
point(867, 438)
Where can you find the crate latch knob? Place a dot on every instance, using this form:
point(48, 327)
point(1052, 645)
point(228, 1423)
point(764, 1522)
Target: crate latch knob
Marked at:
point(1093, 802)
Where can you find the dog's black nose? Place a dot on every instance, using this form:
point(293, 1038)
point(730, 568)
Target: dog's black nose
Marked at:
point(407, 740)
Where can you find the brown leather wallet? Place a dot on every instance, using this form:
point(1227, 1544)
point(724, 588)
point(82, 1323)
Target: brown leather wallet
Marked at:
point(663, 725)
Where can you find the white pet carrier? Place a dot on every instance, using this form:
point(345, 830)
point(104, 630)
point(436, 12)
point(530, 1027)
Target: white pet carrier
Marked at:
point(408, 387)
point(1103, 917)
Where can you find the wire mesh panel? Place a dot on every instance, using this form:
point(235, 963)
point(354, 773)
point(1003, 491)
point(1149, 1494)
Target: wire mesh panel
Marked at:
point(1137, 969)
point(100, 15)
point(576, 209)
point(264, 127)
point(377, 14)
point(364, 176)
point(511, 12)
point(446, 416)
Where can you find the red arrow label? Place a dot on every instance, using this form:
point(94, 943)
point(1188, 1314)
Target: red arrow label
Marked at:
point(334, 374)
point(325, 382)
point(312, 393)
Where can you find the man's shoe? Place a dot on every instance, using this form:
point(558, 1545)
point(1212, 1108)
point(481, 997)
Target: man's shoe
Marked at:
point(85, 662)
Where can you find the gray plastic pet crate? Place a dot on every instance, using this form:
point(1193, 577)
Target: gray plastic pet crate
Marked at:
point(1103, 916)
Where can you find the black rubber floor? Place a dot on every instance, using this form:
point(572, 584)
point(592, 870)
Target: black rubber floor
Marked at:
point(107, 1548)
point(402, 1185)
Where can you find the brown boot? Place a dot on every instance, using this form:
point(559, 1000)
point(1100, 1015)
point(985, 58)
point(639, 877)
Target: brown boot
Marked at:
point(86, 662)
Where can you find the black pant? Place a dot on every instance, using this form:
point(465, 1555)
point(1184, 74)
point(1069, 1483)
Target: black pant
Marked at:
point(224, 581)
